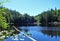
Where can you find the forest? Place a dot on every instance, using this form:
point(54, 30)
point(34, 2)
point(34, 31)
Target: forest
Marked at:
point(12, 17)
point(8, 18)
point(49, 18)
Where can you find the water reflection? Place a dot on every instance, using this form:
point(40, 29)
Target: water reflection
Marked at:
point(38, 33)
point(51, 33)
point(25, 29)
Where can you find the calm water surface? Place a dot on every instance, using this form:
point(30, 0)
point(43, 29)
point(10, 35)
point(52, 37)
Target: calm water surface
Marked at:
point(38, 33)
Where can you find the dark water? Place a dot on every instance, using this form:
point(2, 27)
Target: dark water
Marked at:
point(38, 33)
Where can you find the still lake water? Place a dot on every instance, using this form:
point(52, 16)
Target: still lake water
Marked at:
point(38, 33)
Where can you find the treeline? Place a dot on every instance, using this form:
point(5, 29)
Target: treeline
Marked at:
point(24, 20)
point(49, 18)
point(11, 17)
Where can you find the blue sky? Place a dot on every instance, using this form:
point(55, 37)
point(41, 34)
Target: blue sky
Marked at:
point(32, 7)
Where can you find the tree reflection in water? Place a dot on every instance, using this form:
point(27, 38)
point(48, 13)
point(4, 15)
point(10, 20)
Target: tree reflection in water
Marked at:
point(51, 33)
point(26, 30)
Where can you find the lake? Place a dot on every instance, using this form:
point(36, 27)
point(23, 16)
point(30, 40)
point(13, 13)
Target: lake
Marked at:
point(38, 33)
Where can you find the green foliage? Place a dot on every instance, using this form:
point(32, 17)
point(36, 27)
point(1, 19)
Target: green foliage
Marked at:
point(46, 18)
point(3, 23)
